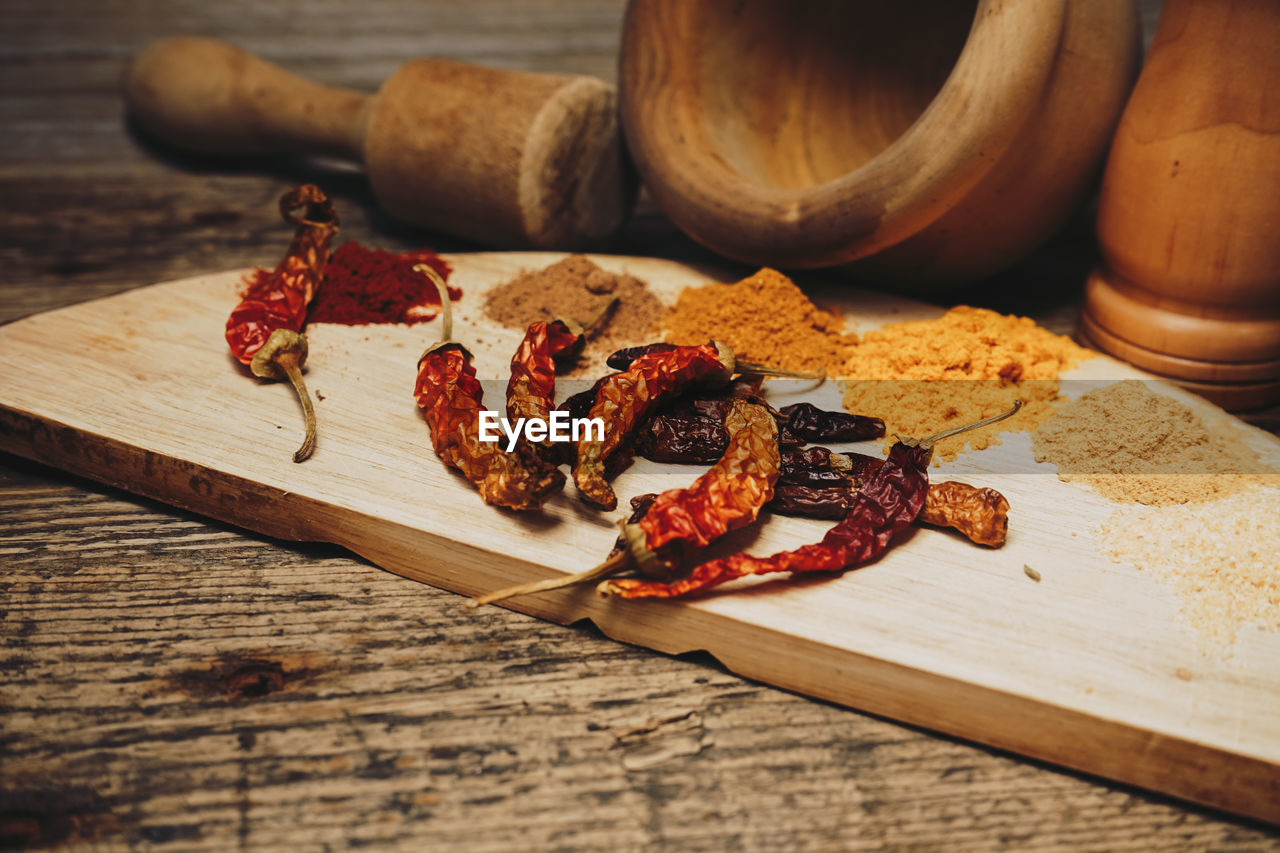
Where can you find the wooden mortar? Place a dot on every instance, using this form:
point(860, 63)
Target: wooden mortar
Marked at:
point(1189, 216)
point(511, 159)
point(930, 142)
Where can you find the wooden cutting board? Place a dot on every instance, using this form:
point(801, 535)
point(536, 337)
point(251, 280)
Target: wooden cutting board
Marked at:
point(1091, 668)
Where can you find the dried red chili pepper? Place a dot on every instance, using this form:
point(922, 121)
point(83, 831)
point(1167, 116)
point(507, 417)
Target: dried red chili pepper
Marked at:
point(450, 397)
point(886, 503)
point(728, 496)
point(830, 503)
point(532, 386)
point(545, 346)
point(980, 514)
point(624, 398)
point(689, 431)
point(265, 330)
point(810, 423)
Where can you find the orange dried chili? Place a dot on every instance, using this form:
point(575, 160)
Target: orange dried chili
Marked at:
point(532, 387)
point(727, 497)
point(624, 398)
point(450, 396)
point(888, 502)
point(265, 329)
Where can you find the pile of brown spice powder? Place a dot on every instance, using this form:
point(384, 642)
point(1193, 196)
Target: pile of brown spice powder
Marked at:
point(766, 319)
point(1134, 445)
point(1207, 526)
point(578, 289)
point(923, 377)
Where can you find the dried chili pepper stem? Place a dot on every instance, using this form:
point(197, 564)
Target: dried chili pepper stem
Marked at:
point(753, 369)
point(934, 439)
point(615, 563)
point(281, 357)
point(596, 323)
point(446, 307)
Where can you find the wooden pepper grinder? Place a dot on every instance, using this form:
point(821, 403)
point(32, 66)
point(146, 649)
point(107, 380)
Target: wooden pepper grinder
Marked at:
point(1189, 214)
point(507, 158)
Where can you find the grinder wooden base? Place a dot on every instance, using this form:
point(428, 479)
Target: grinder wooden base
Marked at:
point(1234, 363)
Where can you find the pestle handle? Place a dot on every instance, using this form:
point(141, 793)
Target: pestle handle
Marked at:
point(211, 97)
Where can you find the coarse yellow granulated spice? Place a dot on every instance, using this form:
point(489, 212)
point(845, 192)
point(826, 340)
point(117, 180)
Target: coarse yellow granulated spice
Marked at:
point(926, 376)
point(1222, 558)
point(766, 319)
point(1131, 444)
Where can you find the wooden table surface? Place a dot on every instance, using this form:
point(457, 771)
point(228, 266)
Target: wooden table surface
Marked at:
point(170, 681)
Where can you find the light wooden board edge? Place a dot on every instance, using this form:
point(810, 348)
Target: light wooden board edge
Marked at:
point(1178, 767)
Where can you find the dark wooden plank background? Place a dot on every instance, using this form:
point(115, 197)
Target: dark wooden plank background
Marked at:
point(171, 682)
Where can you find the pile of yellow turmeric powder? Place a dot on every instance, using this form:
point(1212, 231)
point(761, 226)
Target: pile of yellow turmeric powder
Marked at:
point(921, 377)
point(927, 376)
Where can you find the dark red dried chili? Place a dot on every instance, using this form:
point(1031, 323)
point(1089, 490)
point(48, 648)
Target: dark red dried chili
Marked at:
point(810, 423)
point(888, 502)
point(621, 359)
point(265, 330)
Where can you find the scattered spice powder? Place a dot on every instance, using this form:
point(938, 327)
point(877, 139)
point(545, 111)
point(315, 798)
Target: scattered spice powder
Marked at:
point(578, 289)
point(1220, 557)
point(363, 285)
point(767, 319)
point(906, 373)
point(1132, 444)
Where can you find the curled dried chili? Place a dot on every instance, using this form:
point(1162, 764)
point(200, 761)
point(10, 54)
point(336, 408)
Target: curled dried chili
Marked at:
point(980, 514)
point(532, 386)
point(888, 502)
point(546, 346)
point(624, 398)
point(265, 330)
point(450, 396)
point(727, 497)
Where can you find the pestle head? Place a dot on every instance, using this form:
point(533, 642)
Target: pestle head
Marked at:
point(514, 159)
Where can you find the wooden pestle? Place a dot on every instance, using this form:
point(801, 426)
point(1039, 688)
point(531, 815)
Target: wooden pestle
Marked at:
point(507, 158)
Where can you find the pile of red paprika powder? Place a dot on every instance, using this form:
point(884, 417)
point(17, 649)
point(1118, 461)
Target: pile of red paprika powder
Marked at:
point(363, 285)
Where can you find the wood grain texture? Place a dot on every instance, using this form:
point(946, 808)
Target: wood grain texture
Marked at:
point(407, 724)
point(136, 391)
